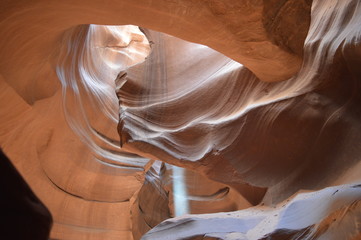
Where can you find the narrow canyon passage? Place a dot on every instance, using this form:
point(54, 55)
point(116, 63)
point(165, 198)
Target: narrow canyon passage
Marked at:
point(212, 120)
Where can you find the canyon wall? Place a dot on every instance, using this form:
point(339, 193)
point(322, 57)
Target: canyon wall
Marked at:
point(258, 101)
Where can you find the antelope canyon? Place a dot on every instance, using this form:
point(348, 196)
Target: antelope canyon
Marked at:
point(180, 119)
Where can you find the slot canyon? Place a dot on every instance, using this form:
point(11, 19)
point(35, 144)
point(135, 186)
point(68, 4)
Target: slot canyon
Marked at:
point(180, 119)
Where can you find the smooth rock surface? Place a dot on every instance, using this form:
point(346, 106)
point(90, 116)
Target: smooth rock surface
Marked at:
point(199, 107)
point(332, 213)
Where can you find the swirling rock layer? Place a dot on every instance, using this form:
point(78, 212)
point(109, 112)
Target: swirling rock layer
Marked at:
point(188, 105)
point(275, 136)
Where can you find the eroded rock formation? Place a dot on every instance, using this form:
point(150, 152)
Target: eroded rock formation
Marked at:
point(270, 110)
point(305, 216)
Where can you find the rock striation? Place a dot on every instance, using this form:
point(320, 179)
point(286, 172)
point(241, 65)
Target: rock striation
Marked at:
point(214, 119)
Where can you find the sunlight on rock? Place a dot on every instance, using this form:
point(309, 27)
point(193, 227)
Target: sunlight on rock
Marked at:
point(201, 120)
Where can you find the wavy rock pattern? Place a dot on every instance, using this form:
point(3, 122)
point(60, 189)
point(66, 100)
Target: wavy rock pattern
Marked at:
point(230, 119)
point(269, 135)
point(69, 147)
point(260, 142)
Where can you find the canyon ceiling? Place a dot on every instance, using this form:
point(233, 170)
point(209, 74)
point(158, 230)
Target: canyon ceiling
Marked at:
point(211, 120)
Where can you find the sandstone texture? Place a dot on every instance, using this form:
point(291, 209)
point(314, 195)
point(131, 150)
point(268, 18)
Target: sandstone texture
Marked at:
point(211, 120)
